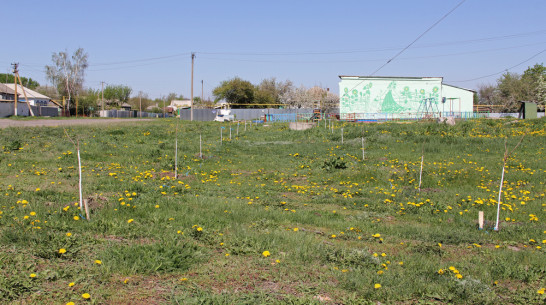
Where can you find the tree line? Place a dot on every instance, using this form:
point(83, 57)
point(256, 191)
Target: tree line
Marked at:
point(269, 92)
point(511, 88)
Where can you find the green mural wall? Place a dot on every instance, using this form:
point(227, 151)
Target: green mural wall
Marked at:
point(389, 95)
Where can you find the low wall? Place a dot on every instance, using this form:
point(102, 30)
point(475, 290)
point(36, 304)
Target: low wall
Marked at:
point(7, 110)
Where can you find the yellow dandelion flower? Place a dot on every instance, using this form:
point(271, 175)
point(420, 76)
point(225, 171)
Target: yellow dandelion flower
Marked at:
point(377, 286)
point(98, 262)
point(68, 234)
point(86, 295)
point(266, 253)
point(71, 284)
point(62, 251)
point(76, 217)
point(130, 220)
point(32, 275)
point(459, 276)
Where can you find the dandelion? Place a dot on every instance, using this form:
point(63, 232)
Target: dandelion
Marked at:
point(98, 262)
point(266, 253)
point(540, 291)
point(157, 206)
point(376, 235)
point(296, 229)
point(32, 275)
point(70, 303)
point(62, 251)
point(183, 279)
point(377, 286)
point(227, 254)
point(37, 189)
point(76, 217)
point(86, 295)
point(459, 276)
point(32, 213)
point(130, 220)
point(71, 284)
point(199, 229)
point(68, 234)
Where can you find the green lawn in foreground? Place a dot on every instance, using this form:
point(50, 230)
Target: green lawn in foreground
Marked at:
point(337, 229)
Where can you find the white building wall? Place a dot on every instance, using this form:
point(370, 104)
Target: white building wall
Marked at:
point(457, 99)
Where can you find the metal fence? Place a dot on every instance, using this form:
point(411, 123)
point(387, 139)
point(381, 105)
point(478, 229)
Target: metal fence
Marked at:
point(130, 114)
point(8, 109)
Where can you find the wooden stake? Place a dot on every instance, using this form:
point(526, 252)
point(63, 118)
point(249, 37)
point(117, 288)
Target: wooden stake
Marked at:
point(86, 205)
point(480, 220)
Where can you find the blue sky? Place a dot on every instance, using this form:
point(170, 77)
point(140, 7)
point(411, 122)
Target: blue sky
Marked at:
point(147, 44)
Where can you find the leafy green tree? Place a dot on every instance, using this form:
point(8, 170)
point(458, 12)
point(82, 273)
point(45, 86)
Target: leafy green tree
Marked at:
point(140, 99)
point(27, 82)
point(88, 101)
point(235, 91)
point(116, 95)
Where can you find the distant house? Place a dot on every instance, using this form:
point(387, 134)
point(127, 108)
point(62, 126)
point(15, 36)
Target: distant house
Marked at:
point(6, 94)
point(34, 98)
point(180, 104)
point(125, 106)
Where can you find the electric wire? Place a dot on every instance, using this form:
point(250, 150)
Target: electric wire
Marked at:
point(419, 37)
point(505, 70)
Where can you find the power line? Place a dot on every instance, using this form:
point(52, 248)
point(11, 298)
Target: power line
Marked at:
point(370, 60)
point(510, 68)
point(423, 34)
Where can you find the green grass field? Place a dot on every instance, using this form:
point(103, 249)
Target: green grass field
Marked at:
point(273, 216)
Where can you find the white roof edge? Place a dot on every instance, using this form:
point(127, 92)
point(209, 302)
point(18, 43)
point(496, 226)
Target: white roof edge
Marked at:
point(30, 93)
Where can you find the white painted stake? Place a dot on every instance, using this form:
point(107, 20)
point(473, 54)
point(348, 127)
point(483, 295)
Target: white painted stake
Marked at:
point(176, 152)
point(363, 149)
point(341, 135)
point(499, 200)
point(506, 156)
point(245, 125)
point(221, 136)
point(230, 133)
point(237, 128)
point(480, 219)
point(421, 171)
point(80, 174)
point(200, 147)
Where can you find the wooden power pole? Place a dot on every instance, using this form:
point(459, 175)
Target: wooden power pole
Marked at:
point(191, 105)
point(102, 95)
point(17, 77)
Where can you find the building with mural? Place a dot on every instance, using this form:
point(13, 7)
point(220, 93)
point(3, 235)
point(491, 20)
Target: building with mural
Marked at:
point(374, 97)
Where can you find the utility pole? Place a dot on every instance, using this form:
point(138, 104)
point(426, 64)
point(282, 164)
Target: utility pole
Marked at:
point(15, 65)
point(16, 76)
point(191, 105)
point(102, 94)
